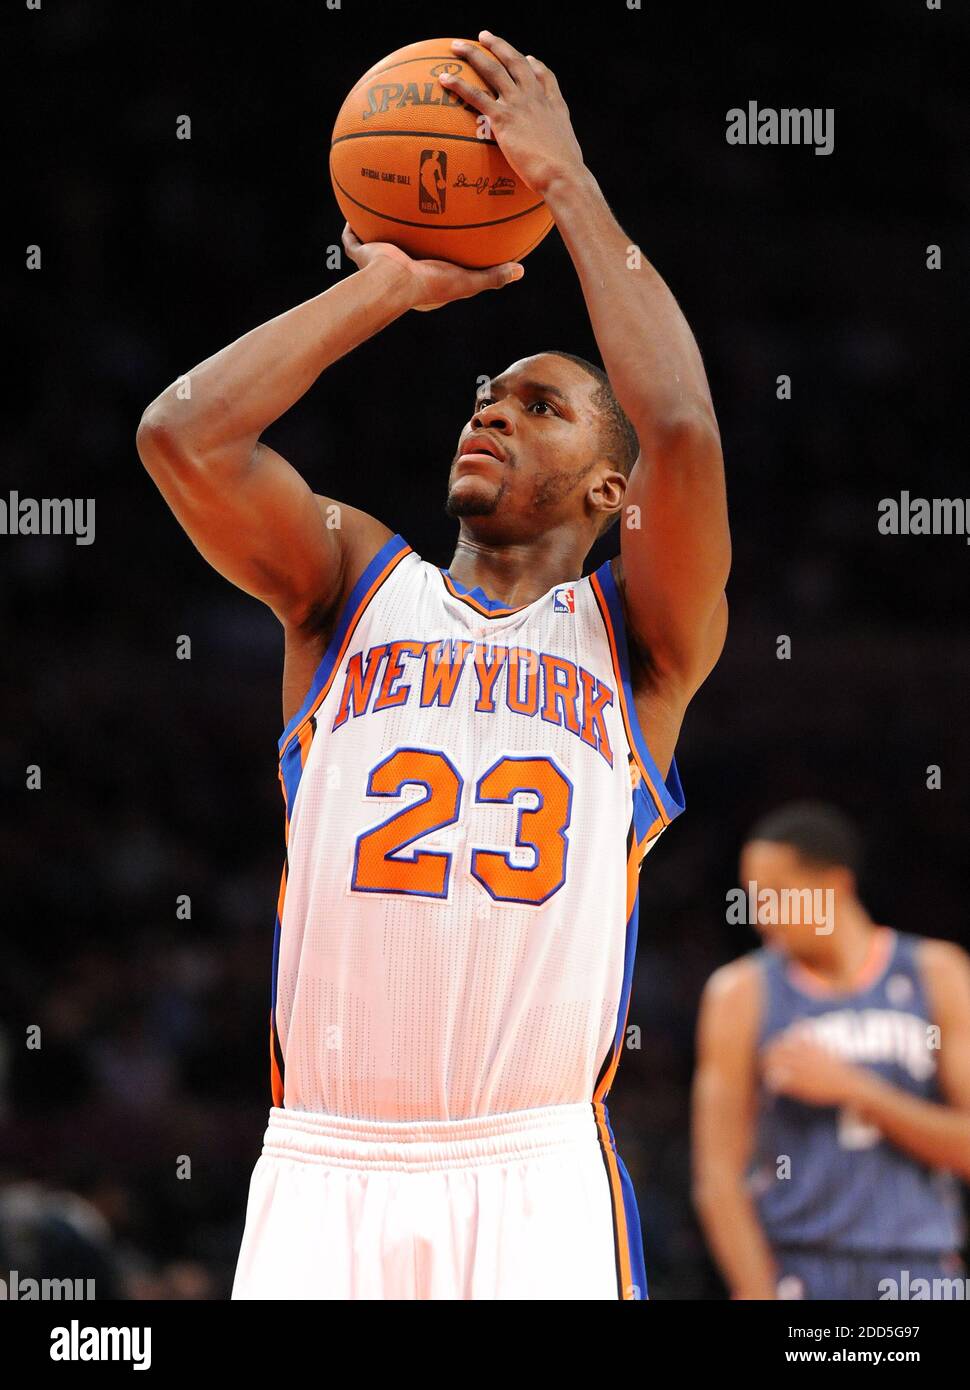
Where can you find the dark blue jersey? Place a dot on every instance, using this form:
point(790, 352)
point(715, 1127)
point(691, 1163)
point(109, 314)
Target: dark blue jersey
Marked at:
point(820, 1176)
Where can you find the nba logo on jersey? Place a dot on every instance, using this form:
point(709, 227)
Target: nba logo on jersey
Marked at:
point(563, 601)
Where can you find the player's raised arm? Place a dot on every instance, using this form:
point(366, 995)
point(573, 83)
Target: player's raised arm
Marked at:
point(676, 558)
point(723, 1125)
point(674, 539)
point(244, 507)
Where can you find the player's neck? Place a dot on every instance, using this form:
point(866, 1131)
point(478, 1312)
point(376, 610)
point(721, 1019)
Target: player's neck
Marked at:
point(840, 958)
point(519, 572)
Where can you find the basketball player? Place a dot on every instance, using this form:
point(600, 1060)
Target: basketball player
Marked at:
point(832, 1092)
point(474, 763)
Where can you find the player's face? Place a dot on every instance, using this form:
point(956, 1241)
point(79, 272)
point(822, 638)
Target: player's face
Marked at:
point(799, 896)
point(538, 433)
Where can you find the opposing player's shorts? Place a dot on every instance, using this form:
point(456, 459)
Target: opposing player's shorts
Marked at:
point(535, 1204)
point(817, 1274)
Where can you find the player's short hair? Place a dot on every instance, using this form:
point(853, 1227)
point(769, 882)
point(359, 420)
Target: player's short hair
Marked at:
point(819, 833)
point(617, 436)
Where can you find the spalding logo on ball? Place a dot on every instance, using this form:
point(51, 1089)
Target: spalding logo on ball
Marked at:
point(409, 165)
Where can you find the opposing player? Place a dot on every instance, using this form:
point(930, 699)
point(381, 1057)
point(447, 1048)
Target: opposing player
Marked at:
point(474, 764)
point(832, 1092)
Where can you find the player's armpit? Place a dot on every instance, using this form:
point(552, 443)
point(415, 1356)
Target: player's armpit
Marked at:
point(259, 524)
point(679, 682)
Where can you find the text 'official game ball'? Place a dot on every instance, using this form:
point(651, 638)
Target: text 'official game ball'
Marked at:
point(412, 164)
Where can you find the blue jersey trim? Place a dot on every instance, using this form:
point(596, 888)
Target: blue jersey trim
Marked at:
point(387, 552)
point(669, 789)
point(478, 594)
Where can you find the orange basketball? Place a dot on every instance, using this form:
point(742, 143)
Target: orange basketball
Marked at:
point(408, 165)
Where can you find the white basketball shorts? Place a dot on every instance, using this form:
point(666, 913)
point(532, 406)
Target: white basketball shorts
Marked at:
point(535, 1204)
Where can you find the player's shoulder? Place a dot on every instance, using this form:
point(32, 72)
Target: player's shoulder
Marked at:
point(736, 984)
point(614, 567)
point(940, 954)
point(361, 537)
point(641, 662)
point(731, 1010)
point(358, 533)
point(945, 968)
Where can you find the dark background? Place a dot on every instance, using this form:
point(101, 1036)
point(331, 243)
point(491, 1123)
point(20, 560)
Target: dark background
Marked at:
point(159, 776)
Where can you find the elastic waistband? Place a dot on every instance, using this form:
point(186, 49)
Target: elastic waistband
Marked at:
point(427, 1144)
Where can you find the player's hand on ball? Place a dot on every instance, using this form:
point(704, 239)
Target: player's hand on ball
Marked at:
point(527, 115)
point(433, 283)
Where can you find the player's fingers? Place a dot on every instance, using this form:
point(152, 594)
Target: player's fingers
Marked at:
point(351, 243)
point(494, 277)
point(490, 69)
point(508, 55)
point(545, 75)
point(498, 275)
point(472, 96)
point(537, 68)
point(462, 284)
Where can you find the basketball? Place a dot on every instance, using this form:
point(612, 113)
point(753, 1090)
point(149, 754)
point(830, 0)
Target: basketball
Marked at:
point(410, 164)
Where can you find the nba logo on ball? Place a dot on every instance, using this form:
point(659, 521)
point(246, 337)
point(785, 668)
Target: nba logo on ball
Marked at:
point(432, 181)
point(563, 601)
point(413, 164)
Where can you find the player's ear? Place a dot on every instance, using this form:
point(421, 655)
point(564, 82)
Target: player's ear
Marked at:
point(605, 495)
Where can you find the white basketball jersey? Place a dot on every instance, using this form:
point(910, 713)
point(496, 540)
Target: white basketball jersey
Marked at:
point(469, 797)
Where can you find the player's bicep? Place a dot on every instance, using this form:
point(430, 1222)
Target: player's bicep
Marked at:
point(259, 525)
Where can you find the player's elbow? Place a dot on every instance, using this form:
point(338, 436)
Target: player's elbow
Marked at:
point(171, 448)
point(161, 445)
